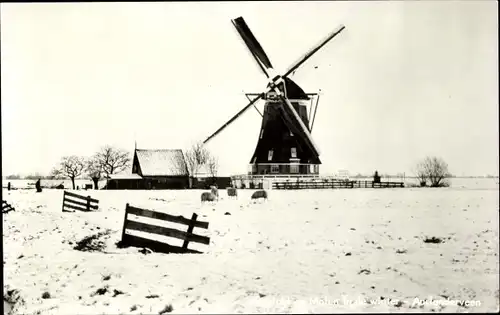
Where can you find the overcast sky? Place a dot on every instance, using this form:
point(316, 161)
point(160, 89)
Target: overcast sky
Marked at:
point(404, 80)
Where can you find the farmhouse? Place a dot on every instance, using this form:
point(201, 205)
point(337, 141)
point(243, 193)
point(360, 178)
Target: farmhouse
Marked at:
point(154, 169)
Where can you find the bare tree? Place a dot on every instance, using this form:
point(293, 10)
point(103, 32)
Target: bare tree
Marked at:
point(112, 160)
point(94, 170)
point(70, 167)
point(435, 170)
point(213, 166)
point(196, 156)
point(421, 173)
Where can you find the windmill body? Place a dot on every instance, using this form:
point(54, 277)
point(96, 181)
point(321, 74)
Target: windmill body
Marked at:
point(285, 144)
point(281, 148)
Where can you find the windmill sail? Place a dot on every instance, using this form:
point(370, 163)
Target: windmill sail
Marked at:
point(285, 136)
point(234, 117)
point(253, 45)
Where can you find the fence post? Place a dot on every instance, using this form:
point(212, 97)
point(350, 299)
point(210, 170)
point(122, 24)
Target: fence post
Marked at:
point(189, 231)
point(64, 197)
point(124, 225)
point(88, 203)
point(8, 186)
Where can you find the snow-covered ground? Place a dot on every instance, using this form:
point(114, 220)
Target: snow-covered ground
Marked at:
point(301, 251)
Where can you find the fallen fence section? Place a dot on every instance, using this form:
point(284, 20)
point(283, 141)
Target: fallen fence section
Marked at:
point(137, 241)
point(76, 202)
point(6, 207)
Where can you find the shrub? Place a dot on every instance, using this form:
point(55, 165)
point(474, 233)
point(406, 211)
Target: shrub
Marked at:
point(434, 170)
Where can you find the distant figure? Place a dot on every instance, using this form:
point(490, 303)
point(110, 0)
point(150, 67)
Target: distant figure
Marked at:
point(8, 186)
point(259, 194)
point(376, 177)
point(38, 186)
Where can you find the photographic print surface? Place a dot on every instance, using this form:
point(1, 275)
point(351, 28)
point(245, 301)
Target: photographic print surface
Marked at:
point(270, 157)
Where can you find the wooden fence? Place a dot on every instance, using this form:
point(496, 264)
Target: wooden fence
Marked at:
point(6, 207)
point(77, 202)
point(137, 241)
point(371, 184)
point(335, 184)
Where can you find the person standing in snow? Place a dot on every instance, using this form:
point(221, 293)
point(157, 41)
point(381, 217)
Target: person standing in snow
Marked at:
point(38, 186)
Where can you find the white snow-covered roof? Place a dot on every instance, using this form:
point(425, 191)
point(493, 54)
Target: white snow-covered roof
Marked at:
point(125, 176)
point(164, 162)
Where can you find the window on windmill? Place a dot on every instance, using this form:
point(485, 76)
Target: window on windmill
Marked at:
point(294, 152)
point(294, 169)
point(270, 155)
point(291, 133)
point(261, 133)
point(275, 168)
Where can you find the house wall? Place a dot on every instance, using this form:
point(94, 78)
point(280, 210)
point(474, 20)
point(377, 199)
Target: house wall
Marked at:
point(165, 182)
point(123, 184)
point(136, 168)
point(156, 182)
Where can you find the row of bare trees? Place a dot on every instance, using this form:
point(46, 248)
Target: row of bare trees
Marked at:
point(108, 160)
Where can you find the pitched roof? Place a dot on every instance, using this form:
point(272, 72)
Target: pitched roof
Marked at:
point(162, 162)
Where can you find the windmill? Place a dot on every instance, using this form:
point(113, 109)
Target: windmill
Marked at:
point(285, 144)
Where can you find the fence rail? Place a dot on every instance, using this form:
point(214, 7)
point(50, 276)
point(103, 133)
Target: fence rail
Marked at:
point(186, 236)
point(333, 184)
point(72, 201)
point(271, 176)
point(6, 207)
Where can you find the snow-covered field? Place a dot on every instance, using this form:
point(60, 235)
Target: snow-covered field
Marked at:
point(301, 251)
